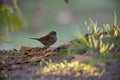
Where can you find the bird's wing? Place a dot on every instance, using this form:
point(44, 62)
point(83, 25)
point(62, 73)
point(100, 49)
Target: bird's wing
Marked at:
point(45, 39)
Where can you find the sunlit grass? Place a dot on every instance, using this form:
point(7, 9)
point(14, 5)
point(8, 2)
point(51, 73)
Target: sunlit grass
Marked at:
point(71, 69)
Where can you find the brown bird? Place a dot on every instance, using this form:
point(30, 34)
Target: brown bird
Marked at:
point(47, 40)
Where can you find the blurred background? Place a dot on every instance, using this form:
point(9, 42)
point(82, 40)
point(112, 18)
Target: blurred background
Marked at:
point(43, 16)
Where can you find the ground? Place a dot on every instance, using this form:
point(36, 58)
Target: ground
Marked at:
point(25, 64)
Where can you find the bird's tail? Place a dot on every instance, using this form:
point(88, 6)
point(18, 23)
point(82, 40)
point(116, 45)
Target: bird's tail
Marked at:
point(34, 38)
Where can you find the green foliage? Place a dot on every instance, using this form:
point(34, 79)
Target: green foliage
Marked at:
point(95, 45)
point(97, 41)
point(115, 19)
point(104, 47)
point(10, 20)
point(96, 31)
point(107, 28)
point(83, 42)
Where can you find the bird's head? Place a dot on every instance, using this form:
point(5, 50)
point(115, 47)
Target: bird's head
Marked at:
point(53, 33)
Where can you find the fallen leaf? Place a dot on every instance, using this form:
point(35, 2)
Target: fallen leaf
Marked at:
point(25, 48)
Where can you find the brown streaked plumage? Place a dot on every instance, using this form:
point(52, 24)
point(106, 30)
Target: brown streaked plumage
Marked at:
point(48, 40)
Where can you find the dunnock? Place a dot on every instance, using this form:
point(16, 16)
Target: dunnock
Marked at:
point(47, 40)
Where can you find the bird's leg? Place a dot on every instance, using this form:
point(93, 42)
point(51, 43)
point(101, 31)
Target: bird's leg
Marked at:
point(47, 47)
